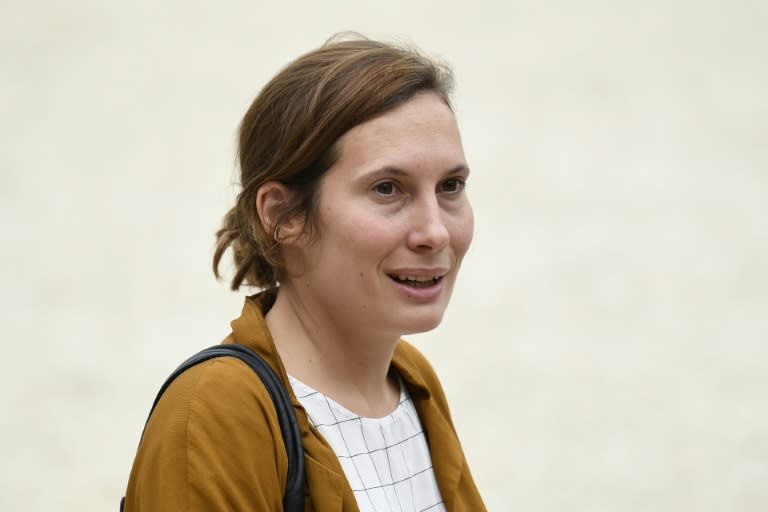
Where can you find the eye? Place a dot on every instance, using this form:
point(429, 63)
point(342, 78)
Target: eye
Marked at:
point(385, 188)
point(452, 185)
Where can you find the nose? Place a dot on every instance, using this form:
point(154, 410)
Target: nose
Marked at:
point(429, 232)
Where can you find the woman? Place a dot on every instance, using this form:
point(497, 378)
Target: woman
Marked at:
point(353, 220)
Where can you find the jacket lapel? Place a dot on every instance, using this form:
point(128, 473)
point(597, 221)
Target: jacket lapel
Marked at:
point(325, 478)
point(444, 446)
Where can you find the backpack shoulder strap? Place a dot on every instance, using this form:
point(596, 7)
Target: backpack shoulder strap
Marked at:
point(293, 498)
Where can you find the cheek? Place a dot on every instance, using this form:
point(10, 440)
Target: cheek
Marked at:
point(374, 233)
point(463, 231)
point(363, 236)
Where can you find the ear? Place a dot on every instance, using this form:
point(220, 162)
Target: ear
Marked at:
point(271, 200)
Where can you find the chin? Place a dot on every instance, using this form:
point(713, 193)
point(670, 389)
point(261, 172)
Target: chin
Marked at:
point(420, 323)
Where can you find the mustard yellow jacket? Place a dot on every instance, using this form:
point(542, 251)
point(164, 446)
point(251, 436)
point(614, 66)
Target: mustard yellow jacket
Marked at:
point(213, 442)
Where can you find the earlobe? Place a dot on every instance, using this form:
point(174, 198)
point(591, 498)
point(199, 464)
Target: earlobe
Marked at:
point(272, 200)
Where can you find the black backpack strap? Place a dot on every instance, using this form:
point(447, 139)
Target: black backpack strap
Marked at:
point(293, 498)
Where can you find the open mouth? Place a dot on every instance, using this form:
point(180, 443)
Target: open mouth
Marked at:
point(415, 281)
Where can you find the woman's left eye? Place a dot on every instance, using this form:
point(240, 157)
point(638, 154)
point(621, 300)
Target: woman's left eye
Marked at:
point(452, 185)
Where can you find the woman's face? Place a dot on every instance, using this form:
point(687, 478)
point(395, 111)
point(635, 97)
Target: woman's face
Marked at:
point(394, 223)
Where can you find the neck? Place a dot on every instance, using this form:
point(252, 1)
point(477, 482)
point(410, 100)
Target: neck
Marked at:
point(348, 363)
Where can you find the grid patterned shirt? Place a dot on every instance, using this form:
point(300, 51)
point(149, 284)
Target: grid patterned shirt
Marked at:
point(386, 460)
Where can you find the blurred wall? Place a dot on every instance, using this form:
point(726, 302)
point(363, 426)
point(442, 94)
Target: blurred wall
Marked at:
point(617, 283)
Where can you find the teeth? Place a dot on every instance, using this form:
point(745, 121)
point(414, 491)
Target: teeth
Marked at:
point(418, 279)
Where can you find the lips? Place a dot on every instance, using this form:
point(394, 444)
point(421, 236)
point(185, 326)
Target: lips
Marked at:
point(415, 281)
point(423, 285)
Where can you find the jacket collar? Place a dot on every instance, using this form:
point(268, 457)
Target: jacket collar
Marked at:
point(251, 329)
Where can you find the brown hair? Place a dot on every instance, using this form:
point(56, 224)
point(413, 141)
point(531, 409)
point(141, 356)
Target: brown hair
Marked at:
point(290, 131)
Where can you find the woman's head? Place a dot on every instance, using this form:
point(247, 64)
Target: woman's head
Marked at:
point(290, 135)
point(393, 224)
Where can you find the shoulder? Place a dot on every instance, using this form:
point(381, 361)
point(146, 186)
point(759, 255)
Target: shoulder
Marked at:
point(212, 391)
point(206, 439)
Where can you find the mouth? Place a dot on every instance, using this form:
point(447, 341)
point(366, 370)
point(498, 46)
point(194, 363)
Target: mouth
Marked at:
point(415, 281)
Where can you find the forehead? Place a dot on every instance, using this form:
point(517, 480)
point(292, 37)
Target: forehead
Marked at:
point(422, 128)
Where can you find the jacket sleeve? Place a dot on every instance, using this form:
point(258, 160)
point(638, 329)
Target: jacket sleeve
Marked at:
point(213, 443)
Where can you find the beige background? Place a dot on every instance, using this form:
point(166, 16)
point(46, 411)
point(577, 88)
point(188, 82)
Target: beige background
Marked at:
point(606, 347)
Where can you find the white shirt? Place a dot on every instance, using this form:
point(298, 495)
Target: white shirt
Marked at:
point(386, 460)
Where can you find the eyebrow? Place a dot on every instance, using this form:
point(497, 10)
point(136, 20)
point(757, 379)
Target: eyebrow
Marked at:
point(388, 169)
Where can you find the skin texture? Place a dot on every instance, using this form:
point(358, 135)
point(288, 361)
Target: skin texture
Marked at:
point(393, 204)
